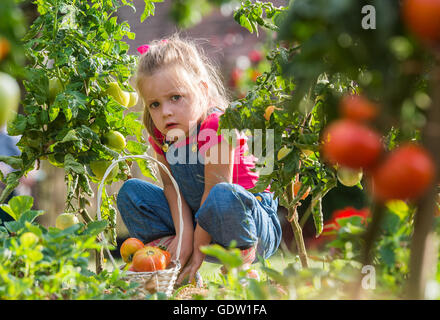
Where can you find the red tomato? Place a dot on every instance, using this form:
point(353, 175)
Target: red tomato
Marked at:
point(167, 256)
point(357, 108)
point(5, 47)
point(149, 259)
point(235, 77)
point(129, 248)
point(255, 56)
point(422, 17)
point(351, 144)
point(406, 173)
point(331, 226)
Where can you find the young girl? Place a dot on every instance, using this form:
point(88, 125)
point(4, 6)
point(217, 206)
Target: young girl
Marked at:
point(183, 98)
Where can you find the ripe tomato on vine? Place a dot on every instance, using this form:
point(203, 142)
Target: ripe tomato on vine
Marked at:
point(406, 173)
point(422, 18)
point(350, 144)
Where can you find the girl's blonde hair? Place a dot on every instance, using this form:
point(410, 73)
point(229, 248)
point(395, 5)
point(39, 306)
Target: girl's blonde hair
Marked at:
point(184, 53)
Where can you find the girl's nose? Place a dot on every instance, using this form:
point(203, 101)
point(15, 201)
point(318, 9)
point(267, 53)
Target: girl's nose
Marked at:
point(167, 110)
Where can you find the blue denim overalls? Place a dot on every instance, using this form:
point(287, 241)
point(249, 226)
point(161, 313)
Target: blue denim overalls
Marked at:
point(230, 212)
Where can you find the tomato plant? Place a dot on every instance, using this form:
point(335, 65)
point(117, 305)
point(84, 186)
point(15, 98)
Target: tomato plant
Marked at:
point(77, 59)
point(322, 54)
point(52, 264)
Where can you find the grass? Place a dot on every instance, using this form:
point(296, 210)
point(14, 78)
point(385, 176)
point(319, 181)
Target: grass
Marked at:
point(279, 261)
point(211, 271)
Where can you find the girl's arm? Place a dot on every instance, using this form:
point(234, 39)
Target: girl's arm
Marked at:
point(219, 163)
point(188, 231)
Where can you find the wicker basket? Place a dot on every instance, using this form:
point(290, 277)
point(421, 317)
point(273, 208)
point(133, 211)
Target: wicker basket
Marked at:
point(160, 280)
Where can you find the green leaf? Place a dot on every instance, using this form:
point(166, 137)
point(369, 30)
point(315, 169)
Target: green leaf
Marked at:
point(387, 254)
point(20, 204)
point(276, 275)
point(95, 227)
point(13, 161)
point(398, 207)
point(6, 208)
point(138, 148)
point(70, 136)
point(29, 216)
point(230, 258)
point(13, 226)
point(17, 126)
point(149, 9)
point(71, 165)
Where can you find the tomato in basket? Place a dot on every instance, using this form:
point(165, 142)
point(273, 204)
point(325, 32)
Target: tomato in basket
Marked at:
point(150, 259)
point(129, 248)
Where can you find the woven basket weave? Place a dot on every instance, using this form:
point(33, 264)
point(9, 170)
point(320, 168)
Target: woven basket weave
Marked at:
point(160, 280)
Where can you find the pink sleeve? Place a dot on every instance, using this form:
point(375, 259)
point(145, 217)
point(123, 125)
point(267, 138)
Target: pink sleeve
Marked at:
point(208, 133)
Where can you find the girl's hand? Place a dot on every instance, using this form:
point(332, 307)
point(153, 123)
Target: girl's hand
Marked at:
point(201, 238)
point(185, 249)
point(191, 268)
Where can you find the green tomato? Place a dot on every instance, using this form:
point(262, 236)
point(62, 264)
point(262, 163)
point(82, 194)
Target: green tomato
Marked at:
point(55, 87)
point(9, 97)
point(115, 140)
point(99, 167)
point(118, 94)
point(349, 177)
point(133, 99)
point(66, 220)
point(28, 239)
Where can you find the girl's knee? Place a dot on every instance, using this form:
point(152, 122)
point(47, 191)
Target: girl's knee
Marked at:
point(129, 186)
point(132, 187)
point(129, 194)
point(223, 188)
point(227, 194)
point(226, 205)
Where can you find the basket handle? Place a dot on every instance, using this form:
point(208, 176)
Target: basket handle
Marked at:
point(179, 201)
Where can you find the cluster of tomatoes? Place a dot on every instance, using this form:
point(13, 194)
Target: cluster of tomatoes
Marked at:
point(141, 258)
point(405, 173)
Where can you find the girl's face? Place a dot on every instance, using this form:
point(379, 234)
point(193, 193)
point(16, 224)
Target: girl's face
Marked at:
point(170, 103)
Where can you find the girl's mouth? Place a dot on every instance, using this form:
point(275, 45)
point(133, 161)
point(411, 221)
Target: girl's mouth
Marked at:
point(170, 125)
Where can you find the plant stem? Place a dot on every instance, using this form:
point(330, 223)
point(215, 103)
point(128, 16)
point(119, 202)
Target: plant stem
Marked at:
point(422, 244)
point(299, 239)
point(297, 231)
point(370, 236)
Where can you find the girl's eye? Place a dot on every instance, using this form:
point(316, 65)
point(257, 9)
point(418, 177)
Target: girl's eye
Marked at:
point(154, 105)
point(176, 97)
